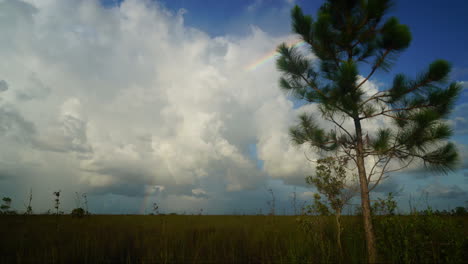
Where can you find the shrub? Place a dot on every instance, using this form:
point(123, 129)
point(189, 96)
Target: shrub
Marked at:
point(78, 212)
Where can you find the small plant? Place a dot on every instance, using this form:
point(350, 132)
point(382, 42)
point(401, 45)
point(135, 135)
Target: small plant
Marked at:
point(56, 206)
point(318, 207)
point(85, 199)
point(57, 202)
point(459, 211)
point(78, 213)
point(385, 206)
point(6, 205)
point(272, 203)
point(155, 208)
point(29, 210)
point(330, 181)
point(77, 200)
point(294, 201)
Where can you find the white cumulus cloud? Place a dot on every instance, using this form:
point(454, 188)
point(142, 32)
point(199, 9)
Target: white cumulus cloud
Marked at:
point(117, 100)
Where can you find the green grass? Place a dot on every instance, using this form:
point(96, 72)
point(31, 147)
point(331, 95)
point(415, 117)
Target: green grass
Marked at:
point(226, 239)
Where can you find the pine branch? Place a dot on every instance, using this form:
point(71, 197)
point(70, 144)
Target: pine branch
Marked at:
point(374, 68)
point(376, 96)
point(382, 173)
point(395, 110)
point(372, 172)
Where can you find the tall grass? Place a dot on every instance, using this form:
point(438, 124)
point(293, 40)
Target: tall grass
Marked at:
point(227, 239)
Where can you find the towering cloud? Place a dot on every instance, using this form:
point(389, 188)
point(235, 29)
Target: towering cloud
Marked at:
point(116, 100)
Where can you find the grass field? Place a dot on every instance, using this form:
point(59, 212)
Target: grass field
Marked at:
point(226, 239)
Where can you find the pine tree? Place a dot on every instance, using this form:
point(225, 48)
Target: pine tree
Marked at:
point(347, 35)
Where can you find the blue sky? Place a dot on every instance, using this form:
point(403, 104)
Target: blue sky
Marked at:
point(438, 29)
point(138, 101)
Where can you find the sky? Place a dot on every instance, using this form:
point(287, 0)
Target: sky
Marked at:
point(177, 102)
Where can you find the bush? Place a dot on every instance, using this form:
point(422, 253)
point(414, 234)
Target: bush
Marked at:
point(78, 212)
point(421, 238)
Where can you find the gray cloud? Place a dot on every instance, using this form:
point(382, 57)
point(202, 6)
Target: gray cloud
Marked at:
point(34, 89)
point(459, 119)
point(71, 137)
point(3, 86)
point(16, 17)
point(14, 126)
point(389, 186)
point(128, 189)
point(445, 192)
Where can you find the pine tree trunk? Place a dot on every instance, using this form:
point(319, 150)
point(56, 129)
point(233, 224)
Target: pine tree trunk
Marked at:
point(365, 201)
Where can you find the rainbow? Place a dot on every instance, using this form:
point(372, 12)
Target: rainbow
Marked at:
point(152, 191)
point(270, 55)
point(144, 203)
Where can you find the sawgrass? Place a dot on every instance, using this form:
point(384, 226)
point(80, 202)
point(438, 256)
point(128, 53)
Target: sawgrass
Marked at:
point(226, 239)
